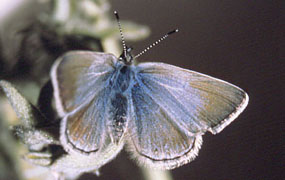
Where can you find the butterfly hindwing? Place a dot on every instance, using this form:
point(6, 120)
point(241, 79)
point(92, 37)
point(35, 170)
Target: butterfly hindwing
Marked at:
point(85, 128)
point(155, 139)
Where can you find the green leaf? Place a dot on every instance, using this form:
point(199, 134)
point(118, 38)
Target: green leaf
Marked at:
point(24, 109)
point(30, 117)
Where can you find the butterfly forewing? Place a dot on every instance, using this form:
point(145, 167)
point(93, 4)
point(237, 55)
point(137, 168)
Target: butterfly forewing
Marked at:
point(78, 76)
point(209, 103)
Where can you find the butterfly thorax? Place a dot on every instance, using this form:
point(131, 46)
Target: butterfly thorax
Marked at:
point(121, 78)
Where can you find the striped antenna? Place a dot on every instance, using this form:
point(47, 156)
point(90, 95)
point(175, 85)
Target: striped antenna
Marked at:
point(156, 42)
point(121, 32)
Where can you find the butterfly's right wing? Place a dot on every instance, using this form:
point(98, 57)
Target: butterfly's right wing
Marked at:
point(81, 89)
point(78, 76)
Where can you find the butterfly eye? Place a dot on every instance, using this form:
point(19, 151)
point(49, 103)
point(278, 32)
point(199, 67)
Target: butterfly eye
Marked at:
point(129, 49)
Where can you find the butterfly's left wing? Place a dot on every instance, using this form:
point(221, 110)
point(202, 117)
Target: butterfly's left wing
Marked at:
point(173, 107)
point(209, 102)
point(154, 138)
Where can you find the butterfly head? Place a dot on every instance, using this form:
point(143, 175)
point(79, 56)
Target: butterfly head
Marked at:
point(127, 56)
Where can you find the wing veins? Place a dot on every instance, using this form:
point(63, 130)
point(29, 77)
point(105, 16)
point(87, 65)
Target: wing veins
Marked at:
point(167, 89)
point(162, 107)
point(94, 74)
point(199, 88)
point(187, 149)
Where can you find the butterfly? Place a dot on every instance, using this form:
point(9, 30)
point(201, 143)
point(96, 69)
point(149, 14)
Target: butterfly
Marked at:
point(158, 110)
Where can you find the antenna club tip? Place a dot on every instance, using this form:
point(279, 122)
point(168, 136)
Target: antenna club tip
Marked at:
point(117, 15)
point(176, 30)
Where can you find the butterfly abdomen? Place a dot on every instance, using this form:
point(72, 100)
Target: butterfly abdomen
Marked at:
point(117, 116)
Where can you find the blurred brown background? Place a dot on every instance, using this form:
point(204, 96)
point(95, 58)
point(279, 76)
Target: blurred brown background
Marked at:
point(239, 42)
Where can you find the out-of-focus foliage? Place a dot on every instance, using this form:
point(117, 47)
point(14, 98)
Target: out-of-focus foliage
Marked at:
point(37, 34)
point(31, 39)
point(43, 146)
point(9, 169)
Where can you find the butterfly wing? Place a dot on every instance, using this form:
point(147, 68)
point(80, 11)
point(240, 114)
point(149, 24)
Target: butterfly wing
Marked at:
point(173, 107)
point(78, 76)
point(210, 103)
point(80, 80)
point(85, 129)
point(155, 139)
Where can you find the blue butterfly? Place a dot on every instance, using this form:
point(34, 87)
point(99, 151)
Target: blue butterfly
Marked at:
point(159, 111)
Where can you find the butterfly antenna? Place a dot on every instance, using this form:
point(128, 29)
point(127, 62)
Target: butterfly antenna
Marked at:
point(121, 32)
point(156, 42)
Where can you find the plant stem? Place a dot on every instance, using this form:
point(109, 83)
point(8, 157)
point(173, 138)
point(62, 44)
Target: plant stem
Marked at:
point(154, 174)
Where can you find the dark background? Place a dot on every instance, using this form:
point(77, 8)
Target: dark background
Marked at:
point(237, 41)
